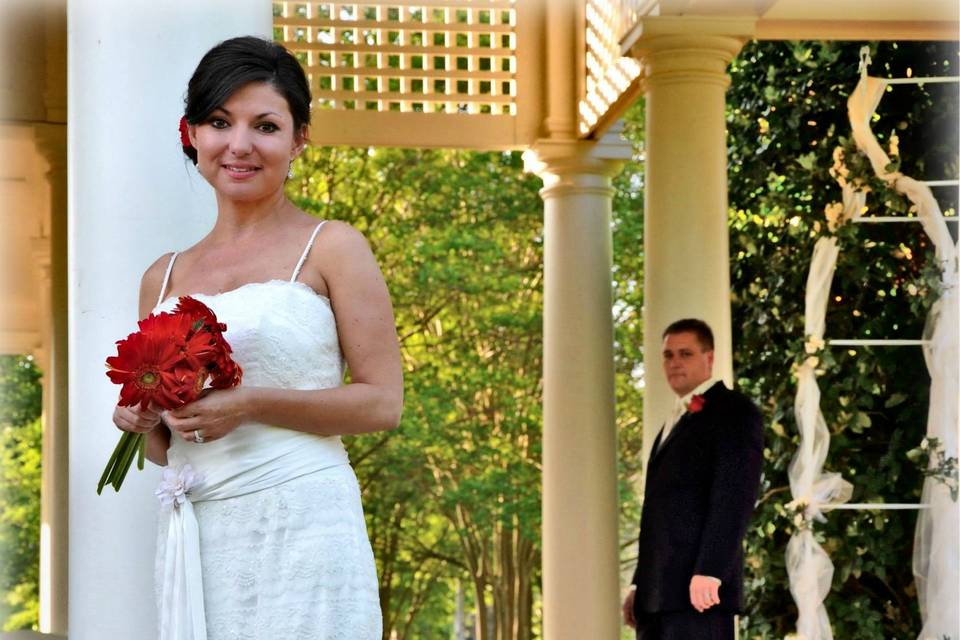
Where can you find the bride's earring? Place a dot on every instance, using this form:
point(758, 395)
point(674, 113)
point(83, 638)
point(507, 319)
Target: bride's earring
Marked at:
point(290, 170)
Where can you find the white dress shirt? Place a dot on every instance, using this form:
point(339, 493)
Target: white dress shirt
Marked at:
point(681, 404)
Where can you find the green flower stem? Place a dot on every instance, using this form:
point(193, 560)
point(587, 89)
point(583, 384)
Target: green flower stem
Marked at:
point(141, 452)
point(130, 445)
point(111, 463)
point(115, 470)
point(121, 472)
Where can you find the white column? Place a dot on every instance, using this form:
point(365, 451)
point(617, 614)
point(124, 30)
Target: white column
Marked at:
point(50, 255)
point(581, 592)
point(132, 198)
point(686, 243)
point(50, 251)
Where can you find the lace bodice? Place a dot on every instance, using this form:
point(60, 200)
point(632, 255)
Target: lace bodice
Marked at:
point(283, 335)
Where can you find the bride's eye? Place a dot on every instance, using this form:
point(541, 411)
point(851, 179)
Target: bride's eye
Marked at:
point(267, 127)
point(217, 123)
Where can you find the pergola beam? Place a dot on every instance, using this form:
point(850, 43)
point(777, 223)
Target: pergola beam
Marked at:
point(856, 30)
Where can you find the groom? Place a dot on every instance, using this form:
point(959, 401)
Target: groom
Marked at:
point(702, 481)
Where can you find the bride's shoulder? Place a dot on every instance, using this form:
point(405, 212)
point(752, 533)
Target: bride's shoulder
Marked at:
point(154, 273)
point(152, 281)
point(340, 235)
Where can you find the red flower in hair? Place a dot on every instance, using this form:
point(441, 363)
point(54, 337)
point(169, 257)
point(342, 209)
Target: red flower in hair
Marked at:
point(696, 404)
point(184, 133)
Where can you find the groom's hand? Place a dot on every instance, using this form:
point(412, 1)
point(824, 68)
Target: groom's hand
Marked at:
point(628, 609)
point(704, 592)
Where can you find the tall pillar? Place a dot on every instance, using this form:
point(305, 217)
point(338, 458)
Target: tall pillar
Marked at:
point(50, 255)
point(133, 197)
point(686, 243)
point(580, 505)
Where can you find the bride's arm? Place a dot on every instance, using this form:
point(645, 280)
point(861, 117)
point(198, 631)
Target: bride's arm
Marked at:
point(374, 398)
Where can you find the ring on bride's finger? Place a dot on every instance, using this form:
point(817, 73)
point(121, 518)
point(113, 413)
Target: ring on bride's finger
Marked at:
point(198, 436)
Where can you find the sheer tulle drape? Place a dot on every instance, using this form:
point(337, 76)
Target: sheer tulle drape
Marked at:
point(935, 558)
point(808, 566)
point(936, 550)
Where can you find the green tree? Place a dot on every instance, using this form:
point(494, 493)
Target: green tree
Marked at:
point(455, 492)
point(20, 448)
point(629, 371)
point(454, 495)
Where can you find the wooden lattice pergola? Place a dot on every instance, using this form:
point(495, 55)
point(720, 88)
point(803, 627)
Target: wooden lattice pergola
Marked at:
point(424, 68)
point(417, 74)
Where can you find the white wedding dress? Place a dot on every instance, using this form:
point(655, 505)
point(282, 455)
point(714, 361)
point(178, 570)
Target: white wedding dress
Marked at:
point(283, 548)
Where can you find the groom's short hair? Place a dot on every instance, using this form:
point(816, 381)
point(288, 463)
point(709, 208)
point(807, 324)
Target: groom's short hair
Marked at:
point(692, 325)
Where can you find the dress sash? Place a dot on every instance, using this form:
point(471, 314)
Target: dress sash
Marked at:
point(182, 614)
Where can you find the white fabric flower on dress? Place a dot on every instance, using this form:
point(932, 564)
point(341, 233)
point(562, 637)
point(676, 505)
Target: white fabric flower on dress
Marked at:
point(175, 484)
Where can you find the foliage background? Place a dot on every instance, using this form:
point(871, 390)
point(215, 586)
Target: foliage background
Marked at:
point(453, 497)
point(20, 435)
point(786, 114)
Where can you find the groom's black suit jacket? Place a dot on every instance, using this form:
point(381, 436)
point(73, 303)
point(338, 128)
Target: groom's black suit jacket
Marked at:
point(701, 487)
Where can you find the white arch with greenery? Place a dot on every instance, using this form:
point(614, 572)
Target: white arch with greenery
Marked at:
point(936, 555)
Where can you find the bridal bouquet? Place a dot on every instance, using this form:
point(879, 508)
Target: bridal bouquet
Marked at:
point(168, 362)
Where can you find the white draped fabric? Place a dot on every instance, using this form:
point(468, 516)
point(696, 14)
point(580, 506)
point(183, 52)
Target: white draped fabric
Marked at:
point(182, 597)
point(808, 566)
point(936, 551)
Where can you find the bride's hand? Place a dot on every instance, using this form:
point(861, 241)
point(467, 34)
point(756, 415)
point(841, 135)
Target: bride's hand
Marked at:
point(135, 419)
point(214, 414)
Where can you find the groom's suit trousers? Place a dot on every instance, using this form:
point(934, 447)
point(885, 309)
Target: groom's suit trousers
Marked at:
point(686, 625)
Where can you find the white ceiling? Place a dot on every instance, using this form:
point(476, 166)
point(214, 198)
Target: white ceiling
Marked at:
point(847, 10)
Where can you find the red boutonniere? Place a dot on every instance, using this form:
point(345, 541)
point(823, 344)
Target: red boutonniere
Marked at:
point(184, 133)
point(696, 404)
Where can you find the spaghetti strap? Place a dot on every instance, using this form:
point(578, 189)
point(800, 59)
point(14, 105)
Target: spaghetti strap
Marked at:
point(166, 277)
point(303, 257)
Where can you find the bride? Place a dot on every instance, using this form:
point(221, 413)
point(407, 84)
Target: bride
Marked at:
point(271, 542)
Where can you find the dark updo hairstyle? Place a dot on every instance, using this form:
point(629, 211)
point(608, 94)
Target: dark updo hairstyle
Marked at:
point(237, 62)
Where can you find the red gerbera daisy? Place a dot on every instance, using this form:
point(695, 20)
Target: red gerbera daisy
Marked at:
point(143, 365)
point(207, 319)
point(167, 362)
point(189, 383)
point(226, 373)
point(200, 350)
